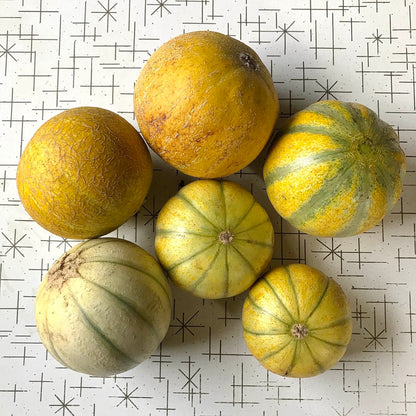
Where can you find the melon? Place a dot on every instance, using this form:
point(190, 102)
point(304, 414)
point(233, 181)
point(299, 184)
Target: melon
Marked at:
point(214, 239)
point(297, 321)
point(84, 173)
point(103, 307)
point(335, 170)
point(206, 104)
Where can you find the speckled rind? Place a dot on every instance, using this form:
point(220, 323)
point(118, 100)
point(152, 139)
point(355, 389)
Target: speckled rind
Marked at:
point(84, 173)
point(188, 242)
point(103, 307)
point(296, 294)
point(206, 104)
point(335, 170)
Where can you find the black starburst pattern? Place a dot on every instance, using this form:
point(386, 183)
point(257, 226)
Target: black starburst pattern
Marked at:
point(14, 244)
point(161, 6)
point(107, 12)
point(64, 404)
point(127, 396)
point(286, 32)
point(185, 325)
point(328, 92)
point(7, 53)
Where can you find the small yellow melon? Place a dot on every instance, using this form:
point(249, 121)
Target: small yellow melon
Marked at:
point(297, 321)
point(206, 104)
point(84, 173)
point(214, 239)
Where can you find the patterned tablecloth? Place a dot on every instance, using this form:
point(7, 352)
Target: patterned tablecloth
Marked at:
point(57, 55)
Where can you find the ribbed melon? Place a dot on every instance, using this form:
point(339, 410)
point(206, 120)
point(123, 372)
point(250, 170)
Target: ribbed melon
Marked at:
point(214, 239)
point(103, 307)
point(297, 321)
point(336, 169)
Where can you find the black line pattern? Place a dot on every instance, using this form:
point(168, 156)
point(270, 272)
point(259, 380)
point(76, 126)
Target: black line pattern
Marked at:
point(57, 55)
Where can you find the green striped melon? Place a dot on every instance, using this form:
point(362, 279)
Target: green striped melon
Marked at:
point(296, 321)
point(336, 170)
point(214, 239)
point(103, 307)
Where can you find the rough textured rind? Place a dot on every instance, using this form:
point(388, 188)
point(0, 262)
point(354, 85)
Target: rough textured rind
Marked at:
point(84, 173)
point(335, 170)
point(290, 298)
point(214, 239)
point(103, 307)
point(206, 104)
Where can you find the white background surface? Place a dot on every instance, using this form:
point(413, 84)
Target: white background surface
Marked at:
point(57, 55)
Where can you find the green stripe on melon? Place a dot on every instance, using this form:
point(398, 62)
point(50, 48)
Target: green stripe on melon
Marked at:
point(296, 321)
point(103, 307)
point(213, 238)
point(335, 170)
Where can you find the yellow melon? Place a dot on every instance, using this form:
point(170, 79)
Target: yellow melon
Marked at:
point(214, 239)
point(84, 173)
point(297, 321)
point(206, 104)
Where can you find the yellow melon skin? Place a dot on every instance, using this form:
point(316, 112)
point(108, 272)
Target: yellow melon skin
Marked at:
point(206, 104)
point(335, 170)
point(103, 307)
point(297, 321)
point(84, 173)
point(214, 239)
